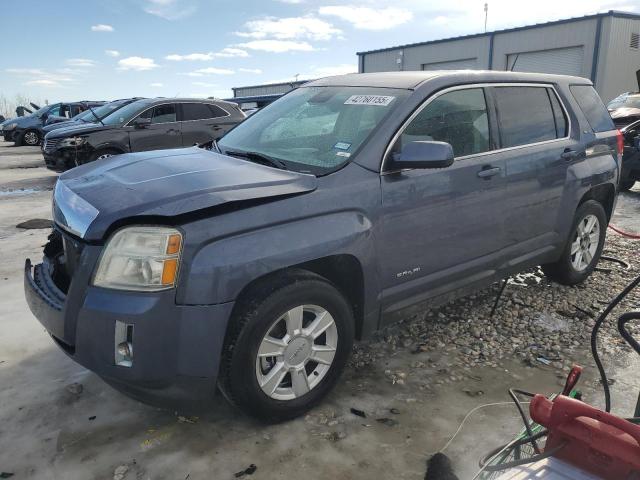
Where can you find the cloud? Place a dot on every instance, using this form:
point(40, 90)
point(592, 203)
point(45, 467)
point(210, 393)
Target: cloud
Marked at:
point(170, 9)
point(112, 53)
point(228, 52)
point(43, 78)
point(205, 84)
point(366, 18)
point(101, 27)
point(277, 46)
point(201, 72)
point(156, 85)
point(43, 83)
point(290, 28)
point(80, 62)
point(137, 63)
point(250, 70)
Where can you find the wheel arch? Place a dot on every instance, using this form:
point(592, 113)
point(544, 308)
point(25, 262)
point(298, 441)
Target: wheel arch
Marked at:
point(343, 271)
point(604, 194)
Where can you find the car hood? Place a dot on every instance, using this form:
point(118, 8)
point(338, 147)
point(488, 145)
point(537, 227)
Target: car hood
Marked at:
point(88, 199)
point(78, 129)
point(59, 125)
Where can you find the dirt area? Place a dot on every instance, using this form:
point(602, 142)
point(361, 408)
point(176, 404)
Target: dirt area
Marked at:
point(415, 382)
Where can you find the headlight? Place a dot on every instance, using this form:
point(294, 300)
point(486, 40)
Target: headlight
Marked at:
point(73, 141)
point(11, 126)
point(140, 258)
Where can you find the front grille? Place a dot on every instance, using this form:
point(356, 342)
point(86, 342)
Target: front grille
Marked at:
point(62, 253)
point(51, 144)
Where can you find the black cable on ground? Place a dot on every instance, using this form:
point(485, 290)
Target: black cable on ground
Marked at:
point(513, 394)
point(495, 305)
point(510, 446)
point(525, 461)
point(594, 337)
point(619, 261)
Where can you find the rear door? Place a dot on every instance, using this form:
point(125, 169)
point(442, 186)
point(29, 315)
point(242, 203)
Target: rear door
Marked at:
point(203, 122)
point(443, 228)
point(163, 132)
point(537, 149)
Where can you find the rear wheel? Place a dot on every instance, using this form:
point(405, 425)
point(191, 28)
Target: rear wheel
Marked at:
point(583, 250)
point(286, 346)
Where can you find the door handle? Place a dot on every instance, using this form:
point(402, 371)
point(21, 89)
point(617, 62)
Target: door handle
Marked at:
point(488, 171)
point(569, 154)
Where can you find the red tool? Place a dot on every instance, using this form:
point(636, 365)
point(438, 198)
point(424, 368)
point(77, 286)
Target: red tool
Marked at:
point(595, 441)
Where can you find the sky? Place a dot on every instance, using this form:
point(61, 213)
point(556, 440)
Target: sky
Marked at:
point(101, 50)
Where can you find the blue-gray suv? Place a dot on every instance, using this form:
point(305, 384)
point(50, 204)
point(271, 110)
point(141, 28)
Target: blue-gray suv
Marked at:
point(253, 266)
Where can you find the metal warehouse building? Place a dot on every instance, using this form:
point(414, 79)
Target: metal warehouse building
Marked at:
point(603, 47)
point(256, 96)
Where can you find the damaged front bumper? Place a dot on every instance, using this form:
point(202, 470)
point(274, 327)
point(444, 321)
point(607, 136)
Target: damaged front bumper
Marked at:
point(176, 348)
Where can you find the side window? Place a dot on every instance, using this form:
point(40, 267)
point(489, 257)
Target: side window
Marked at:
point(562, 125)
point(217, 112)
point(76, 109)
point(524, 115)
point(164, 114)
point(65, 111)
point(54, 111)
point(195, 111)
point(592, 107)
point(458, 118)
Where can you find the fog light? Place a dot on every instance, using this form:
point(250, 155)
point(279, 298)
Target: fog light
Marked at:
point(123, 355)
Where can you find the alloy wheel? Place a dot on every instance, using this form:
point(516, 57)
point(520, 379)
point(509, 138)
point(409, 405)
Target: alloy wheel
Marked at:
point(297, 352)
point(31, 138)
point(585, 242)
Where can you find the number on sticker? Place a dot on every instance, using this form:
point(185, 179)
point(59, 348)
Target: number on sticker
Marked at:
point(380, 100)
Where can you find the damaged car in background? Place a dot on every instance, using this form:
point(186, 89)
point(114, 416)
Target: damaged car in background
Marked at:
point(252, 267)
point(142, 125)
point(631, 159)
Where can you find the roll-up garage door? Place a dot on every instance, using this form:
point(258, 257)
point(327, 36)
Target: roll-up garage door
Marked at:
point(563, 61)
point(464, 64)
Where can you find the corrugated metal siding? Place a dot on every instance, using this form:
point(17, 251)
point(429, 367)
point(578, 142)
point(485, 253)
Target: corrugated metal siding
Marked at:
point(575, 34)
point(468, 63)
point(618, 62)
point(262, 90)
point(562, 61)
point(456, 50)
point(382, 61)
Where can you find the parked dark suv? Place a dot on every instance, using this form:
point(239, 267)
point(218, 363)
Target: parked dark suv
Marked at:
point(26, 130)
point(147, 124)
point(91, 115)
point(320, 218)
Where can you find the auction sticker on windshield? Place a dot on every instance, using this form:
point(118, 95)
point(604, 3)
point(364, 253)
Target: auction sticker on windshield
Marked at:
point(380, 100)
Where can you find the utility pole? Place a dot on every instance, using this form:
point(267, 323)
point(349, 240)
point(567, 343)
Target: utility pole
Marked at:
point(296, 76)
point(486, 14)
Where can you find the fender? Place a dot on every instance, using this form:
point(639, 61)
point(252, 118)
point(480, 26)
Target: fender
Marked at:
point(220, 270)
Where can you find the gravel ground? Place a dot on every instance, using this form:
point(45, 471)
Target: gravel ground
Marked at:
point(537, 322)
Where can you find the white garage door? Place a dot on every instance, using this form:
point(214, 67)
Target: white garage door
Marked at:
point(564, 61)
point(464, 64)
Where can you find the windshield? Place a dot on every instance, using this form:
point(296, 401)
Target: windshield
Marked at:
point(101, 111)
point(314, 129)
point(44, 109)
point(631, 101)
point(124, 114)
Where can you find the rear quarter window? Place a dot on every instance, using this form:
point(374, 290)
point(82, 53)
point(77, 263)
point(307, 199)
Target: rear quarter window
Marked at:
point(592, 107)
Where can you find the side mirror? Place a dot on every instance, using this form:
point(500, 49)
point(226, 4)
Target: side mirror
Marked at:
point(44, 116)
point(141, 122)
point(424, 154)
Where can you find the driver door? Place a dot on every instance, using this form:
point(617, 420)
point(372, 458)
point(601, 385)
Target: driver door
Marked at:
point(163, 132)
point(443, 228)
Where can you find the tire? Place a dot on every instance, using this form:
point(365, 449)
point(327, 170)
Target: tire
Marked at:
point(626, 185)
point(30, 138)
point(574, 268)
point(268, 311)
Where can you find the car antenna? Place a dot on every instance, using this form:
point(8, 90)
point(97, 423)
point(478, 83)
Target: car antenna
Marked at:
point(94, 114)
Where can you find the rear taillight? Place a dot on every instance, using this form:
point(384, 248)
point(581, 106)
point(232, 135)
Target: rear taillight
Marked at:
point(620, 139)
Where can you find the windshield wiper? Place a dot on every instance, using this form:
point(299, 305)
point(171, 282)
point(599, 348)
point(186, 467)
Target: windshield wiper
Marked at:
point(258, 158)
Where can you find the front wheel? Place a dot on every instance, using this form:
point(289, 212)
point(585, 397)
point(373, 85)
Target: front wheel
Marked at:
point(286, 346)
point(30, 138)
point(583, 250)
